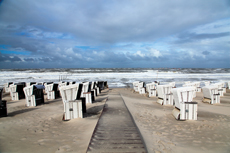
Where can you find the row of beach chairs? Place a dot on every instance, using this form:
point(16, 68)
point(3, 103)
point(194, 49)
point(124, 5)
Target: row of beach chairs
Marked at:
point(74, 95)
point(182, 98)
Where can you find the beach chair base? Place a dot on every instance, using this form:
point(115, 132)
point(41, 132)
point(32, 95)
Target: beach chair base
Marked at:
point(73, 110)
point(88, 97)
point(188, 111)
point(198, 89)
point(152, 93)
point(142, 91)
point(30, 101)
point(214, 100)
point(14, 96)
point(167, 100)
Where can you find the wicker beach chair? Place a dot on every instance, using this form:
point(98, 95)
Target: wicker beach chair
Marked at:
point(72, 107)
point(185, 108)
point(221, 88)
point(135, 86)
point(211, 94)
point(151, 89)
point(52, 91)
point(86, 92)
point(165, 96)
point(34, 95)
point(7, 87)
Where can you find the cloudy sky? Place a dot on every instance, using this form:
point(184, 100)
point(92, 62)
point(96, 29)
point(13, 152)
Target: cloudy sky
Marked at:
point(114, 33)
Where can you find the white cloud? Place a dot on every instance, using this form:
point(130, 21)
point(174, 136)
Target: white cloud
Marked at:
point(139, 53)
point(154, 53)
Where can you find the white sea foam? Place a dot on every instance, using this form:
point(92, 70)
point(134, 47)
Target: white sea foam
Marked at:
point(115, 77)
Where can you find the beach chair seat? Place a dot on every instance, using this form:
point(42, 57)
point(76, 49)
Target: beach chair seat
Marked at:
point(34, 95)
point(211, 94)
point(185, 108)
point(3, 105)
point(165, 96)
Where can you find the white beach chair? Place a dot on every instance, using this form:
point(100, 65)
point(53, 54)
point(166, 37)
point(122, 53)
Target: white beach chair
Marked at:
point(52, 91)
point(221, 88)
point(7, 87)
point(135, 86)
point(206, 83)
point(141, 88)
point(14, 95)
point(184, 109)
point(85, 93)
point(34, 95)
point(93, 89)
point(228, 84)
point(72, 107)
point(211, 94)
point(151, 89)
point(165, 96)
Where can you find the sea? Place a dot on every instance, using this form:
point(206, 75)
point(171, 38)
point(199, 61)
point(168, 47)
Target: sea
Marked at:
point(117, 77)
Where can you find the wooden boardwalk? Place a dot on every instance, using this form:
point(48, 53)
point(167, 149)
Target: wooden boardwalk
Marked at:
point(115, 130)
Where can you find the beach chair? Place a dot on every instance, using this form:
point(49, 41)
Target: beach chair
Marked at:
point(228, 84)
point(185, 108)
point(211, 94)
point(135, 86)
point(7, 87)
point(165, 96)
point(3, 105)
point(34, 95)
point(94, 89)
point(221, 88)
point(16, 91)
point(151, 89)
point(100, 84)
point(86, 93)
point(141, 88)
point(105, 84)
point(52, 91)
point(72, 108)
point(206, 83)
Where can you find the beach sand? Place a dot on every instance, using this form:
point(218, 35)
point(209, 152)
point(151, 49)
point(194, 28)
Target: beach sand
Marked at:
point(41, 129)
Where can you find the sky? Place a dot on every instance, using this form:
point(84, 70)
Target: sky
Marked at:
point(114, 34)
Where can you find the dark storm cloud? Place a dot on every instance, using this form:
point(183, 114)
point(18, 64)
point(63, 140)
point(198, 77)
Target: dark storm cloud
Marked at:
point(49, 31)
point(188, 37)
point(7, 58)
point(205, 52)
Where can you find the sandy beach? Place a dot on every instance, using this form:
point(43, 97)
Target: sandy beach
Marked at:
point(41, 129)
